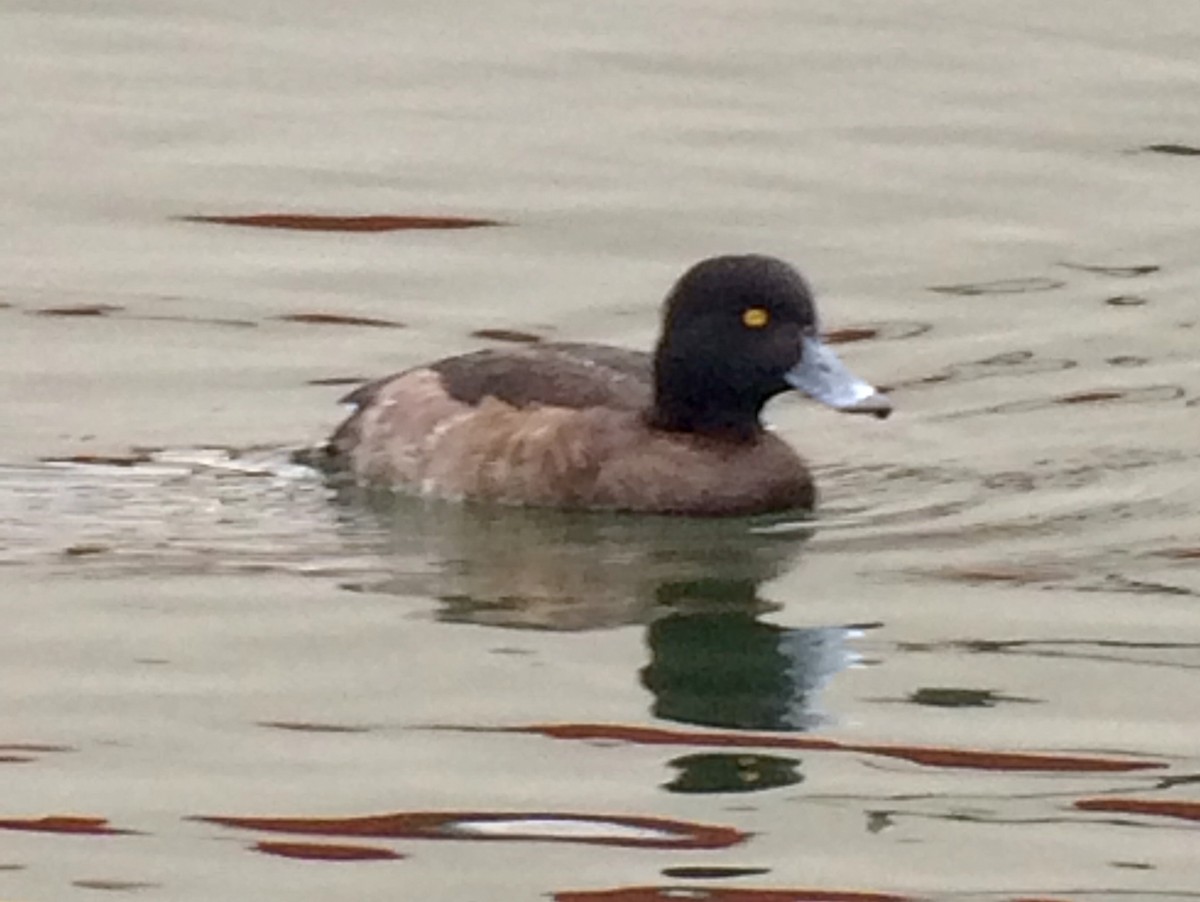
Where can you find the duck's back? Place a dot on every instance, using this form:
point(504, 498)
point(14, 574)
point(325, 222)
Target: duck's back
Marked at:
point(410, 428)
point(572, 375)
point(559, 425)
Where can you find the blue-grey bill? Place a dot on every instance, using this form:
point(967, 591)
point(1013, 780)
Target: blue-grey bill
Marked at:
point(822, 376)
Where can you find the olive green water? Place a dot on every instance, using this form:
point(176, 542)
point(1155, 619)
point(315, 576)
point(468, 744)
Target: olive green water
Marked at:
point(1008, 564)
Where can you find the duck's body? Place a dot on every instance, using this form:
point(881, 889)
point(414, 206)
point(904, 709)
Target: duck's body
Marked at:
point(560, 426)
point(592, 426)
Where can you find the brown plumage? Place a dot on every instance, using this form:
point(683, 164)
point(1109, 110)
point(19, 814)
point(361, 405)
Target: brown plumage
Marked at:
point(591, 426)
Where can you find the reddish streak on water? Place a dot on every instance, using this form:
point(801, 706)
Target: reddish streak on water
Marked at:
point(1181, 554)
point(460, 825)
point(62, 823)
point(706, 894)
point(933, 756)
point(317, 223)
point(1188, 811)
point(850, 334)
point(315, 851)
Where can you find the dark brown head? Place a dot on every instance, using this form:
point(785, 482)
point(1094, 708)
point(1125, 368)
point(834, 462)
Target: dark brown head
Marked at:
point(737, 331)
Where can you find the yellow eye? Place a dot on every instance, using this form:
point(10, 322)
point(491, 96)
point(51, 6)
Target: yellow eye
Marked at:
point(755, 317)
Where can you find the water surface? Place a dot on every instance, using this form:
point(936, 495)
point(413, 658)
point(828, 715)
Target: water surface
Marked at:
point(973, 676)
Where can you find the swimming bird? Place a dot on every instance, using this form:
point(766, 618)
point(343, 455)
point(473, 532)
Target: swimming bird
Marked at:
point(576, 425)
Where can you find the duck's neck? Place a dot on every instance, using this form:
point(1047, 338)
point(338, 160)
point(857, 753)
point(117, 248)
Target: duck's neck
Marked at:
point(690, 400)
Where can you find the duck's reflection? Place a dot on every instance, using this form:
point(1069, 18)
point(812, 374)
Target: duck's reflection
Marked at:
point(728, 669)
point(695, 583)
point(715, 772)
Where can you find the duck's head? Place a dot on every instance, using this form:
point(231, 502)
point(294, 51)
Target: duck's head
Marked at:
point(738, 330)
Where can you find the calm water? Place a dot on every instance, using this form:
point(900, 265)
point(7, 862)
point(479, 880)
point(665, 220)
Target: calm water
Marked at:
point(976, 675)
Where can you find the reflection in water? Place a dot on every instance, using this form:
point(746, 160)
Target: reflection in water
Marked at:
point(1019, 285)
point(1178, 150)
point(674, 892)
point(728, 669)
point(116, 886)
point(1184, 809)
point(325, 223)
point(717, 772)
point(695, 582)
point(1118, 272)
point(959, 697)
point(566, 570)
point(712, 873)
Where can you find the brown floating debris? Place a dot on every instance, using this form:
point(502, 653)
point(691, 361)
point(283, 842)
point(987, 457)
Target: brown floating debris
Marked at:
point(307, 222)
point(1175, 150)
point(512, 335)
point(934, 756)
point(338, 319)
point(79, 310)
point(1126, 300)
point(313, 851)
point(92, 826)
point(1001, 286)
point(1188, 811)
point(676, 893)
point(534, 826)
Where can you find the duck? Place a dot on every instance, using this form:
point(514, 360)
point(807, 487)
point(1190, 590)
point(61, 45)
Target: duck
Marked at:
point(574, 425)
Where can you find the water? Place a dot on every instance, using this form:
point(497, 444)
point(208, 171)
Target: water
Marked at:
point(973, 676)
